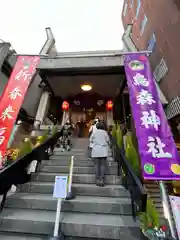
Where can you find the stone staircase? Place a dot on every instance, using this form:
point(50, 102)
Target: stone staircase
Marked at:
point(95, 213)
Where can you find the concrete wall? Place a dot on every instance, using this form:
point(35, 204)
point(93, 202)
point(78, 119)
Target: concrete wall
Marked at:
point(163, 20)
point(3, 82)
point(32, 97)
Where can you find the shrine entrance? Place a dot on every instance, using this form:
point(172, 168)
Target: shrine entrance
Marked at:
point(68, 85)
point(90, 114)
point(84, 107)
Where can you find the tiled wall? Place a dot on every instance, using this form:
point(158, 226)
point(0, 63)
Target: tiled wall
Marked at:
point(164, 21)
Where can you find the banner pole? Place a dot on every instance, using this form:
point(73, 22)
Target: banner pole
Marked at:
point(167, 208)
point(58, 215)
point(139, 52)
point(60, 193)
point(69, 193)
point(114, 53)
point(57, 235)
point(30, 55)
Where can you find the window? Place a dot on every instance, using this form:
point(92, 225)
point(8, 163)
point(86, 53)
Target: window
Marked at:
point(132, 2)
point(125, 9)
point(143, 24)
point(151, 43)
point(138, 7)
point(161, 70)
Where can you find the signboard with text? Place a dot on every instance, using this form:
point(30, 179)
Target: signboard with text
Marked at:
point(60, 187)
point(157, 149)
point(13, 97)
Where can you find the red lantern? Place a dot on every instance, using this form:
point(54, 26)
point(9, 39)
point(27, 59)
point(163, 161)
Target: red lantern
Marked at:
point(164, 228)
point(109, 106)
point(65, 106)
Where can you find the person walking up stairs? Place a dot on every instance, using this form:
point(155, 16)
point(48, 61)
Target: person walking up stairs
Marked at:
point(94, 213)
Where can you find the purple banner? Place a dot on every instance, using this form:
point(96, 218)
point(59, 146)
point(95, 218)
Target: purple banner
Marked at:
point(157, 149)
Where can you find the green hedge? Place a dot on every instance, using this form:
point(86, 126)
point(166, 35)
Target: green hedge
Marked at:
point(25, 148)
point(131, 154)
point(150, 217)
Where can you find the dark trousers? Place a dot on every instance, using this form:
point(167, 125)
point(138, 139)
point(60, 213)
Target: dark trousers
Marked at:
point(89, 152)
point(80, 132)
point(65, 142)
point(100, 167)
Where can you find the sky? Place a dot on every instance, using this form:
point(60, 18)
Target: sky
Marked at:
point(78, 25)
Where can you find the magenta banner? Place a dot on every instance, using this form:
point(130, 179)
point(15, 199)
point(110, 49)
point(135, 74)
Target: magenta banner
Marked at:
point(157, 149)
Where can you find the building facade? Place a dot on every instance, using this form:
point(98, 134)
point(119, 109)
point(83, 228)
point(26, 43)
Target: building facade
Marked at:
point(153, 25)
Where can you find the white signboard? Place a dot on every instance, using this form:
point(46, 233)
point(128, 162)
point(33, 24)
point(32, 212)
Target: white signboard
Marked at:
point(175, 204)
point(60, 187)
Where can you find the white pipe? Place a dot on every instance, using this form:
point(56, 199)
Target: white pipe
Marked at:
point(109, 116)
point(71, 174)
point(33, 55)
point(101, 54)
point(167, 209)
point(13, 134)
point(85, 55)
point(58, 215)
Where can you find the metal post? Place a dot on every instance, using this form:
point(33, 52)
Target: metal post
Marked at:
point(33, 55)
point(109, 118)
point(57, 235)
point(58, 215)
point(119, 53)
point(70, 174)
point(167, 208)
point(15, 129)
point(139, 52)
point(69, 193)
point(124, 110)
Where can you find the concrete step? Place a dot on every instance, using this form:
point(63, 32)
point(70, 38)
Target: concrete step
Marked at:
point(80, 143)
point(82, 170)
point(77, 178)
point(79, 189)
point(74, 152)
point(67, 157)
point(70, 153)
point(20, 236)
point(80, 163)
point(76, 149)
point(83, 204)
point(73, 224)
point(73, 149)
point(77, 158)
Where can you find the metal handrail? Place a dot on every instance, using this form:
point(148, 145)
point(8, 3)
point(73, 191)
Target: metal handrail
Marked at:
point(17, 173)
point(131, 182)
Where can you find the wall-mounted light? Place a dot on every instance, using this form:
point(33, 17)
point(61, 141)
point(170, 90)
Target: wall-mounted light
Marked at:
point(86, 87)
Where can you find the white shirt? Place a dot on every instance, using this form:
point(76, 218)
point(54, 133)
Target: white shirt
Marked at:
point(92, 128)
point(99, 141)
